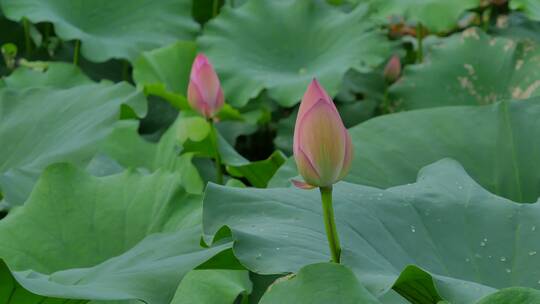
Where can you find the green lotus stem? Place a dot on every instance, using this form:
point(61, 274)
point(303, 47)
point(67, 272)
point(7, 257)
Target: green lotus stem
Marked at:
point(232, 3)
point(217, 156)
point(386, 101)
point(245, 298)
point(215, 6)
point(125, 70)
point(486, 18)
point(419, 39)
point(47, 33)
point(27, 41)
point(76, 52)
point(330, 223)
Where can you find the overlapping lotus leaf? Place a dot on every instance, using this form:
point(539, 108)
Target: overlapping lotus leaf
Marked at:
point(530, 7)
point(61, 117)
point(126, 147)
point(281, 45)
point(471, 68)
point(319, 284)
point(496, 144)
point(436, 15)
point(216, 286)
point(465, 241)
point(164, 72)
point(120, 237)
point(110, 29)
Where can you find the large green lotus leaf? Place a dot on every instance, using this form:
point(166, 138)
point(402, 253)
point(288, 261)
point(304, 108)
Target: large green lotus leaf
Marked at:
point(518, 26)
point(193, 136)
point(110, 29)
point(53, 121)
point(212, 286)
point(258, 173)
point(11, 292)
point(284, 134)
point(108, 302)
point(115, 70)
point(470, 68)
point(319, 284)
point(231, 130)
point(514, 295)
point(203, 10)
point(281, 45)
point(171, 153)
point(496, 144)
point(466, 240)
point(165, 72)
point(61, 75)
point(531, 8)
point(161, 114)
point(392, 297)
point(436, 15)
point(125, 236)
point(360, 86)
point(130, 150)
point(57, 75)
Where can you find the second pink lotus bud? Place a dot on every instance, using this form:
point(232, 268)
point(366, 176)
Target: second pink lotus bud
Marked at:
point(393, 69)
point(204, 90)
point(322, 144)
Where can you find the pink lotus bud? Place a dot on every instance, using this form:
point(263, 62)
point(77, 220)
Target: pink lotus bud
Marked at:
point(322, 144)
point(204, 91)
point(392, 69)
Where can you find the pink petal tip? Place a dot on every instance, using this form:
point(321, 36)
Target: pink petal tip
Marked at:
point(302, 185)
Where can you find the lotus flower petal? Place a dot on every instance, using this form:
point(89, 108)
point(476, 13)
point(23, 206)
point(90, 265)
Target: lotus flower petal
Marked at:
point(301, 184)
point(306, 168)
point(313, 94)
point(207, 77)
point(196, 99)
point(347, 160)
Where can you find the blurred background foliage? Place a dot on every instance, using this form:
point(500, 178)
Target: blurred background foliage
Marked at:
point(265, 66)
point(102, 85)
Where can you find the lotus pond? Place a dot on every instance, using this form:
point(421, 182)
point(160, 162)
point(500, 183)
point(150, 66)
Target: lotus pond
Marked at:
point(270, 151)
